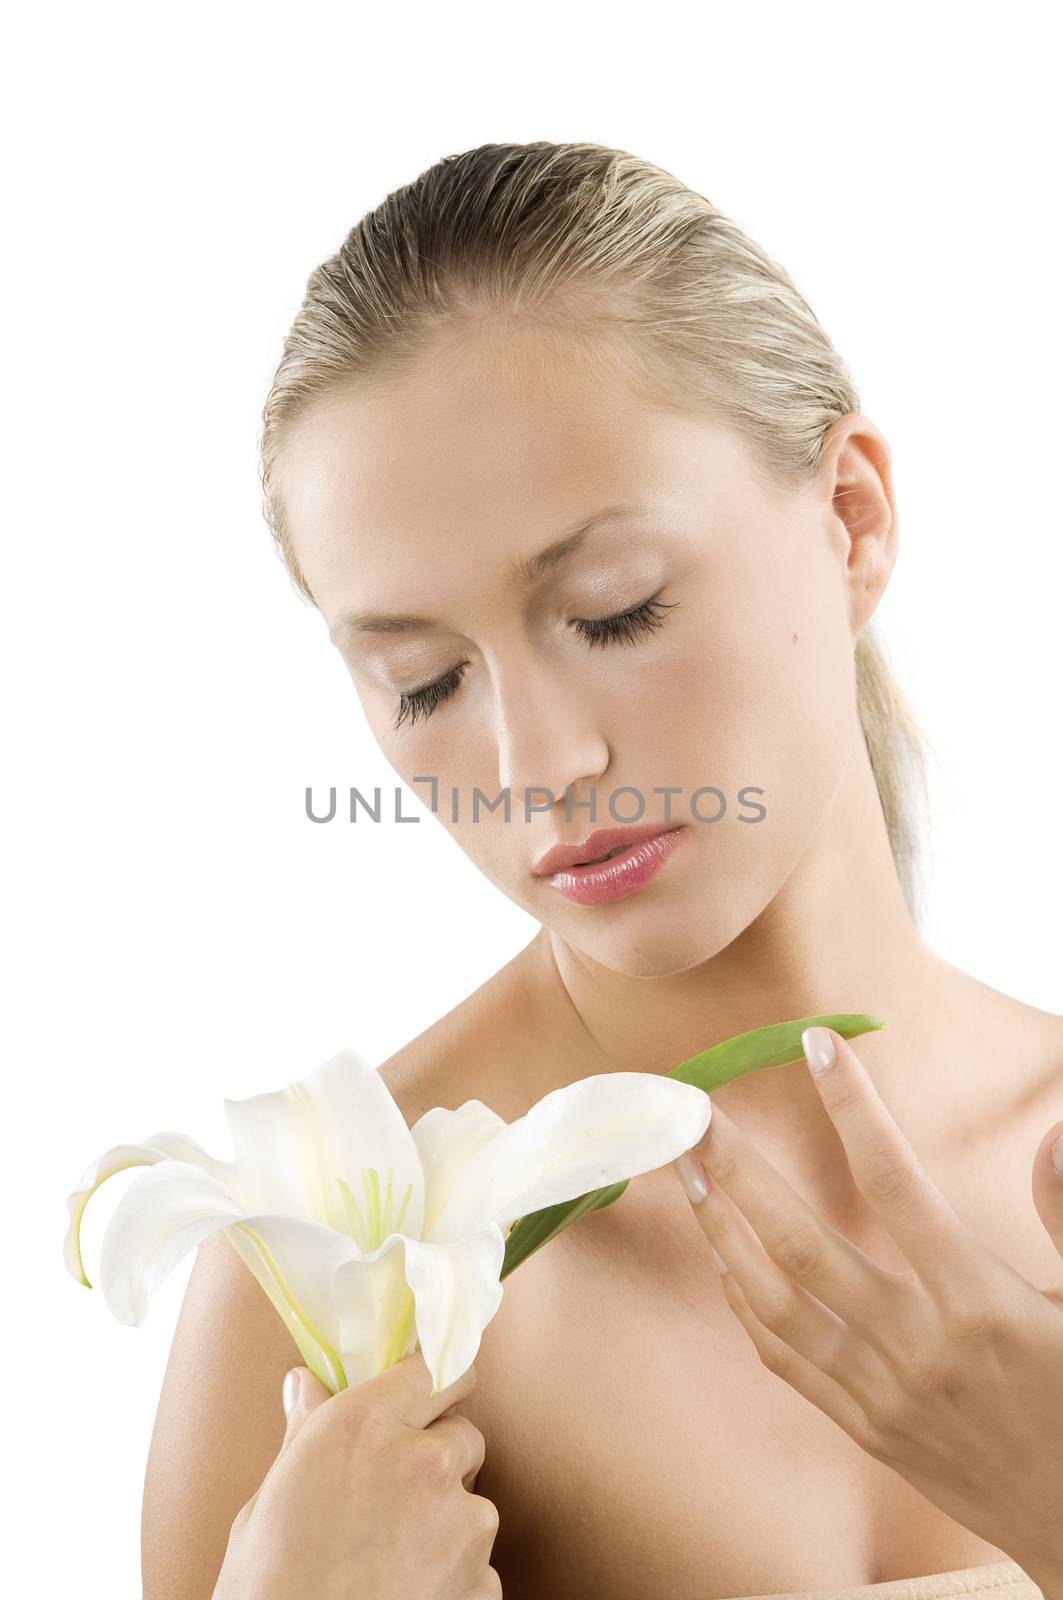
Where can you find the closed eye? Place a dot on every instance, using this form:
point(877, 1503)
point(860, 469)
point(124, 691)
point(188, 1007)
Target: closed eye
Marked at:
point(627, 627)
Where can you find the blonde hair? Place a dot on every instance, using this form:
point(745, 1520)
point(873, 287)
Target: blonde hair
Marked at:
point(591, 241)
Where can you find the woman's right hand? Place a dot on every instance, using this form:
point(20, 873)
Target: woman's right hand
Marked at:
point(369, 1495)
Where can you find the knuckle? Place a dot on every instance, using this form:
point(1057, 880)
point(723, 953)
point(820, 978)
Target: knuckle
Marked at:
point(798, 1252)
point(718, 1160)
point(889, 1180)
point(471, 1432)
point(930, 1373)
point(371, 1418)
point(846, 1095)
point(468, 1441)
point(889, 1415)
point(725, 1165)
point(779, 1311)
point(926, 1374)
point(836, 1357)
point(431, 1461)
point(978, 1324)
point(487, 1512)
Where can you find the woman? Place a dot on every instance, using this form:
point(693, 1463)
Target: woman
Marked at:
point(585, 499)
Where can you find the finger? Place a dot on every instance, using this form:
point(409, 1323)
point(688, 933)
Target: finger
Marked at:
point(803, 1376)
point(467, 1442)
point(799, 1241)
point(404, 1392)
point(789, 1312)
point(1048, 1193)
point(471, 1474)
point(301, 1394)
point(886, 1169)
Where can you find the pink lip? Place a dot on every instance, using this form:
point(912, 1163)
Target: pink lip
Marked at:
point(622, 874)
point(596, 844)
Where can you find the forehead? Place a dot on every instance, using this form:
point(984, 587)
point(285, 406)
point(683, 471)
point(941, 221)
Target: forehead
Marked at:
point(492, 438)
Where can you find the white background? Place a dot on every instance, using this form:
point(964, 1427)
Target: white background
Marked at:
point(176, 929)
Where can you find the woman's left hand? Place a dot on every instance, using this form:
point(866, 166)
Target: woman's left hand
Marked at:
point(951, 1373)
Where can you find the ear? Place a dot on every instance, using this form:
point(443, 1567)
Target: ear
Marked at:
point(856, 481)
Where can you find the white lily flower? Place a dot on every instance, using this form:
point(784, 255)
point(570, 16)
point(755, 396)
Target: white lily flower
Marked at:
point(371, 1237)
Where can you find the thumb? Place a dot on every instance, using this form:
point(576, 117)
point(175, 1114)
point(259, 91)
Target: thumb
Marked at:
point(301, 1394)
point(1048, 1193)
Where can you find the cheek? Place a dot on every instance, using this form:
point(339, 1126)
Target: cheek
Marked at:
point(427, 747)
point(758, 695)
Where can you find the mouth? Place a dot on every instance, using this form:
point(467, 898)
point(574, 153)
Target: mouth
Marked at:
point(612, 874)
point(594, 860)
point(600, 847)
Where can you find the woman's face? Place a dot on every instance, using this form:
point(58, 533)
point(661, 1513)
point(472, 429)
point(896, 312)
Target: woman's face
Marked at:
point(419, 499)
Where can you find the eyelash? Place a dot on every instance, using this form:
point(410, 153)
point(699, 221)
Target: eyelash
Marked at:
point(627, 627)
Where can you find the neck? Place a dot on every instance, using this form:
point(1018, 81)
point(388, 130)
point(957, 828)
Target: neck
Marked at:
point(837, 937)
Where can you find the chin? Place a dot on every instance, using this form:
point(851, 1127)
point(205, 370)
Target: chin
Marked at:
point(657, 942)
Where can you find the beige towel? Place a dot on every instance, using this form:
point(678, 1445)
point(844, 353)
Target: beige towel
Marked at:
point(1003, 1580)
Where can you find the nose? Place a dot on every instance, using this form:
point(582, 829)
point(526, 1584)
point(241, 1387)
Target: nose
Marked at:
point(548, 737)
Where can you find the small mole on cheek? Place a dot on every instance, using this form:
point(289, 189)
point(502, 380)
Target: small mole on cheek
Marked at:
point(795, 638)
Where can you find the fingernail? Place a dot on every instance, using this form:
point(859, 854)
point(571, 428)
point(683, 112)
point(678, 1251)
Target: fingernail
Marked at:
point(692, 1176)
point(289, 1391)
point(718, 1258)
point(818, 1047)
point(1057, 1155)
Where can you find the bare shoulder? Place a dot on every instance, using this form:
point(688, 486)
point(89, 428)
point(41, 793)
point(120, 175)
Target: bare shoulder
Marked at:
point(1028, 1042)
point(1018, 1049)
point(1001, 1065)
point(220, 1423)
point(218, 1426)
point(1041, 1096)
point(1047, 1085)
point(1010, 1053)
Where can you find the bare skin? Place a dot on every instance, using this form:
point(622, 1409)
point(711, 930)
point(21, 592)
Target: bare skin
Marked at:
point(615, 1346)
point(634, 1443)
point(368, 1494)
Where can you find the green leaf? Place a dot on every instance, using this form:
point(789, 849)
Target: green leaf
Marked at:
point(773, 1046)
point(539, 1227)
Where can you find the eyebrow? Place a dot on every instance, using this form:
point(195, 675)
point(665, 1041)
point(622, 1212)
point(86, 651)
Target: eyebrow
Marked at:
point(523, 572)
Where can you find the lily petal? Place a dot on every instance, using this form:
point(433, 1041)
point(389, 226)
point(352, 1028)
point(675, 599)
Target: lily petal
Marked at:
point(446, 1142)
point(455, 1292)
point(580, 1137)
point(293, 1145)
point(375, 1306)
point(163, 1215)
point(172, 1208)
point(296, 1262)
point(160, 1147)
